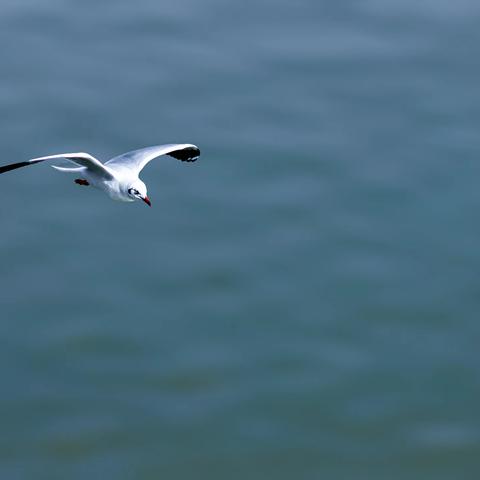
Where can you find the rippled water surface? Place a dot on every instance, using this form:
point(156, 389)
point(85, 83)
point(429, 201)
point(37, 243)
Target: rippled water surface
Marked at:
point(301, 303)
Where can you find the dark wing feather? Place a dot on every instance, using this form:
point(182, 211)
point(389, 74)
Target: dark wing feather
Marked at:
point(14, 166)
point(189, 154)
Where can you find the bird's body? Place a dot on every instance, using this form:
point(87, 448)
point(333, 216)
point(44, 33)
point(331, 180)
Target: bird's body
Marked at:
point(118, 177)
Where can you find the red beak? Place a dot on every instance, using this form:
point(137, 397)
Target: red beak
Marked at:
point(147, 201)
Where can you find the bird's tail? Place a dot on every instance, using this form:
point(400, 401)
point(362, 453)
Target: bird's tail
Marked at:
point(69, 170)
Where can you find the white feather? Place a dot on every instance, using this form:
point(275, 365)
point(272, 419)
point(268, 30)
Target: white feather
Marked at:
point(69, 169)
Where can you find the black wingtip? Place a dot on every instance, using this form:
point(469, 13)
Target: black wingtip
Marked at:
point(188, 154)
point(13, 166)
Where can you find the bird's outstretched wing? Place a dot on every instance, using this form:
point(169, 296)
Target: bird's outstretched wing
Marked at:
point(137, 159)
point(82, 159)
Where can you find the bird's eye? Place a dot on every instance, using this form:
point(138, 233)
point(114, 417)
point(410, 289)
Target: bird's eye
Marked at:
point(132, 191)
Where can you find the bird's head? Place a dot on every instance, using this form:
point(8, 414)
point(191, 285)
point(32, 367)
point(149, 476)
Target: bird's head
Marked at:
point(138, 190)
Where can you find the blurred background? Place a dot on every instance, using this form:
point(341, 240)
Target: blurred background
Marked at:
point(300, 303)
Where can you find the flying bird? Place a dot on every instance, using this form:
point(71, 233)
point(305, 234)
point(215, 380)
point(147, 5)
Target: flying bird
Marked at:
point(118, 177)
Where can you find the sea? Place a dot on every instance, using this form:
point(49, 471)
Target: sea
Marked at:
point(303, 301)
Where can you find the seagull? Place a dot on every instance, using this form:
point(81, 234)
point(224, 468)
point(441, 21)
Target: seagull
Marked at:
point(117, 177)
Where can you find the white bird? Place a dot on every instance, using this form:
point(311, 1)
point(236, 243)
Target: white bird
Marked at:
point(118, 177)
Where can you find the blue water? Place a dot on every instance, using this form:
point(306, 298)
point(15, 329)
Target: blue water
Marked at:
point(303, 301)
